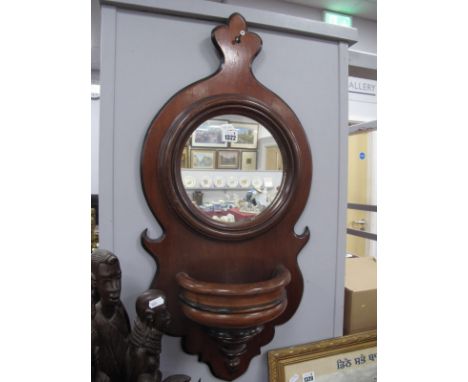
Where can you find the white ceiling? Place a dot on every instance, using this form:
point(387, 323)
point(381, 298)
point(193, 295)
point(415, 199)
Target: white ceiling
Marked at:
point(362, 8)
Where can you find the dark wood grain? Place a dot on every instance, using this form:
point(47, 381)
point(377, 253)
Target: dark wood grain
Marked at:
point(210, 251)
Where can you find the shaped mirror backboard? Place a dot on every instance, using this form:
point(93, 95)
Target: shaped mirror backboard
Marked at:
point(231, 168)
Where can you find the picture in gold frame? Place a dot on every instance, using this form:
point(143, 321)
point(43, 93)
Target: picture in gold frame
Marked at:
point(202, 159)
point(184, 160)
point(228, 159)
point(247, 135)
point(249, 160)
point(351, 358)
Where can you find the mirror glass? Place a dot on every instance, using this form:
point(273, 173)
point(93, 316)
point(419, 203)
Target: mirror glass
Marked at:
point(231, 168)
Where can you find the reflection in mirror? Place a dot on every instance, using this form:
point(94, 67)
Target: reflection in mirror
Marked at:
point(231, 168)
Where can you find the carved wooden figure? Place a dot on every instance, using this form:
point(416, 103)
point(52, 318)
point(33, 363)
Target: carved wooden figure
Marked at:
point(111, 323)
point(97, 375)
point(117, 355)
point(227, 284)
point(145, 341)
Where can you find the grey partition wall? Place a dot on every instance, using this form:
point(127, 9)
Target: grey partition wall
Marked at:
point(151, 49)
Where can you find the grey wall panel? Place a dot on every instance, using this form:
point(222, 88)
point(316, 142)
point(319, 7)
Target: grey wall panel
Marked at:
point(150, 68)
point(95, 146)
point(106, 126)
point(154, 57)
point(343, 136)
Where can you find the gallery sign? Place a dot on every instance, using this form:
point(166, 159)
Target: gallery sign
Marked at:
point(362, 86)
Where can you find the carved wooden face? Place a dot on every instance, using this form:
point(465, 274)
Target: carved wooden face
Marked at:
point(158, 317)
point(162, 318)
point(109, 283)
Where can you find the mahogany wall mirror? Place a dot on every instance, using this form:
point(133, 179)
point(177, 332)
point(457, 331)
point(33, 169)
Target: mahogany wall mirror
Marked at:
point(226, 170)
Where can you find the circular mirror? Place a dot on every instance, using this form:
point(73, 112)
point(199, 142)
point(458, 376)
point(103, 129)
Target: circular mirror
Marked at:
point(231, 168)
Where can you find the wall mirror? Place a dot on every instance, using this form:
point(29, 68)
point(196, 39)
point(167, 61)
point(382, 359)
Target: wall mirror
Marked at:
point(231, 168)
point(226, 170)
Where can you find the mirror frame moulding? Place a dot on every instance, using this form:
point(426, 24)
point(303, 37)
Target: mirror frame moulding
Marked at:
point(174, 142)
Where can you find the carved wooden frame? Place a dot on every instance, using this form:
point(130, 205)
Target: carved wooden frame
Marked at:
point(279, 359)
point(229, 257)
point(180, 131)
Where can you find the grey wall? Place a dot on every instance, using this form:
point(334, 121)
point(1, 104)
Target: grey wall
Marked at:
point(146, 58)
point(94, 146)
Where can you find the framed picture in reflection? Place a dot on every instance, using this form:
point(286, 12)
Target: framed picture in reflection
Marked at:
point(202, 159)
point(209, 134)
point(249, 160)
point(228, 159)
point(184, 160)
point(246, 135)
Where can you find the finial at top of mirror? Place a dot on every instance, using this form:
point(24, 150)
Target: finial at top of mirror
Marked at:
point(238, 46)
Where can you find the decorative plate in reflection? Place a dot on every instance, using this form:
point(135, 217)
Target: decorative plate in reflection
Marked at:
point(268, 182)
point(206, 182)
point(244, 182)
point(189, 181)
point(232, 182)
point(257, 183)
point(219, 182)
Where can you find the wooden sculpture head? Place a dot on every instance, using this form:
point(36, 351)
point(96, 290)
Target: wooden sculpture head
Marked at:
point(107, 275)
point(151, 309)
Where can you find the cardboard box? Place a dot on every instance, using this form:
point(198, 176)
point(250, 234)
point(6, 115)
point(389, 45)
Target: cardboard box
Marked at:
point(360, 312)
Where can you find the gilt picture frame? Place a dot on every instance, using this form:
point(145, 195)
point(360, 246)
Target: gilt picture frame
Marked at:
point(351, 358)
point(202, 159)
point(228, 159)
point(185, 160)
point(249, 160)
point(247, 135)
